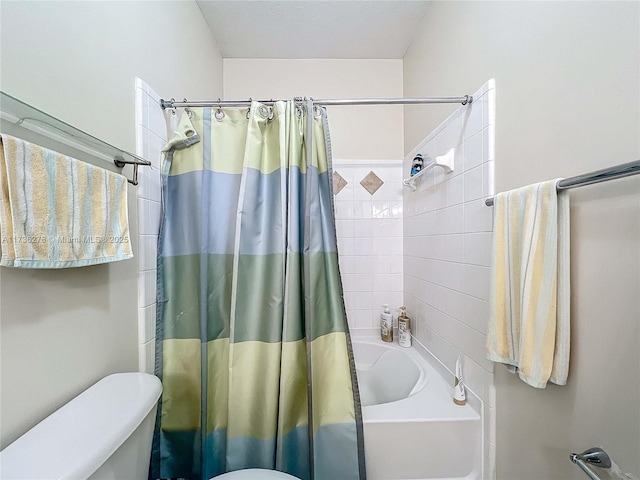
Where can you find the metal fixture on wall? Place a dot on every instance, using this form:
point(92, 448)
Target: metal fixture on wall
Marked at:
point(324, 102)
point(34, 125)
point(595, 461)
point(604, 175)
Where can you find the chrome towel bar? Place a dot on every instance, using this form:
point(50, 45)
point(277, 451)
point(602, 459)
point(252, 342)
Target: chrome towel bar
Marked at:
point(606, 174)
point(29, 123)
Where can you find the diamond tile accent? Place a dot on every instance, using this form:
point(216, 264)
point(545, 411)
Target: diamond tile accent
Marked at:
point(338, 183)
point(371, 183)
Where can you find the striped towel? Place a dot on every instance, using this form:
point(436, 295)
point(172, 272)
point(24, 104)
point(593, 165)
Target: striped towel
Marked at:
point(530, 288)
point(58, 212)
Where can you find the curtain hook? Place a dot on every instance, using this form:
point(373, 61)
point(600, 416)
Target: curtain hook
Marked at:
point(249, 109)
point(299, 106)
point(187, 110)
point(219, 113)
point(173, 107)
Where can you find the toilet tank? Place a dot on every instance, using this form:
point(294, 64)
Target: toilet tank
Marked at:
point(103, 433)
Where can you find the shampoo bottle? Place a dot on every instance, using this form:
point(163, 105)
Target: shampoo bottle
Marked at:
point(404, 329)
point(417, 164)
point(459, 395)
point(386, 324)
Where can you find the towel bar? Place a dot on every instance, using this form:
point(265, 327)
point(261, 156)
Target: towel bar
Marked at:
point(604, 175)
point(27, 120)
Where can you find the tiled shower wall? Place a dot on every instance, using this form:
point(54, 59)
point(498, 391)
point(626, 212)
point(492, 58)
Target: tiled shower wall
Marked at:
point(447, 251)
point(369, 230)
point(151, 137)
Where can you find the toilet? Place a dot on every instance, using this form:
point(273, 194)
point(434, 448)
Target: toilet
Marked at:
point(255, 474)
point(104, 433)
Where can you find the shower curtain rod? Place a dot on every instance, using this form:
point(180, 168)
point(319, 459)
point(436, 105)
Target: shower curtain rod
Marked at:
point(464, 100)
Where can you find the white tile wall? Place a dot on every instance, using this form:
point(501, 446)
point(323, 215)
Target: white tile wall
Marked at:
point(369, 230)
point(151, 136)
point(447, 251)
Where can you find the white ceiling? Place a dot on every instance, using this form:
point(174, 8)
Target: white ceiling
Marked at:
point(313, 28)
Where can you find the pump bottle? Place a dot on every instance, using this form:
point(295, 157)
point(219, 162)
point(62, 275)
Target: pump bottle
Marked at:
point(386, 324)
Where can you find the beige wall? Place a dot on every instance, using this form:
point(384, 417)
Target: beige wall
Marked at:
point(364, 132)
point(567, 89)
point(63, 330)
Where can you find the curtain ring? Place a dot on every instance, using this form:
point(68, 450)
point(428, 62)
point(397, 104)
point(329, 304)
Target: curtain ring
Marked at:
point(270, 116)
point(173, 108)
point(187, 109)
point(219, 115)
point(263, 111)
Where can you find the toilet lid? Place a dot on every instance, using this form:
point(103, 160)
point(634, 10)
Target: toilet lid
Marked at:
point(255, 474)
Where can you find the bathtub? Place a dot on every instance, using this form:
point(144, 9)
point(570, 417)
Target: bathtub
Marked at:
point(412, 428)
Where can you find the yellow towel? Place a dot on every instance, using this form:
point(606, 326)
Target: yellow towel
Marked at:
point(530, 287)
point(58, 212)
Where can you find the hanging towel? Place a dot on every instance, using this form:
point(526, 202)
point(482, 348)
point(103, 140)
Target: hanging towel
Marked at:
point(530, 288)
point(59, 212)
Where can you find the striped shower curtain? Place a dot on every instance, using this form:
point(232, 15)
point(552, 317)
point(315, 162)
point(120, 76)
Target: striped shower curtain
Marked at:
point(253, 348)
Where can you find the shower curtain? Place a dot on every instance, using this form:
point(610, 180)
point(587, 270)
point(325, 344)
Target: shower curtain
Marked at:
point(253, 348)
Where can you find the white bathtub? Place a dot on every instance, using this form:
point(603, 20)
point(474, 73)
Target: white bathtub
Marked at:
point(412, 428)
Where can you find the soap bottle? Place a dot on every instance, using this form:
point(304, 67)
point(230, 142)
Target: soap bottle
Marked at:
point(404, 329)
point(459, 395)
point(386, 324)
point(417, 164)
